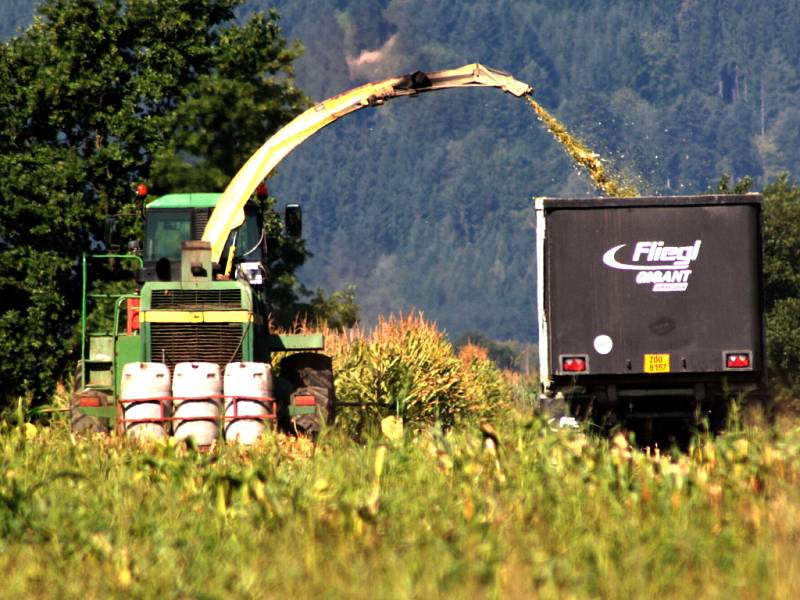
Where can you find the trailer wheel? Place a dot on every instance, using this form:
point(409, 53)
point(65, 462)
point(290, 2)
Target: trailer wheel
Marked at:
point(87, 424)
point(311, 374)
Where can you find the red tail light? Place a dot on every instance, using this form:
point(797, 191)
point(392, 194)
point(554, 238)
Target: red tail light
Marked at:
point(573, 364)
point(737, 360)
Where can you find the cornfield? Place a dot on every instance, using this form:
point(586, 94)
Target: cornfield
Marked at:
point(537, 513)
point(406, 367)
point(474, 499)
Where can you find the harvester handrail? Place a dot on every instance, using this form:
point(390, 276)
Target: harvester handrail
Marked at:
point(85, 295)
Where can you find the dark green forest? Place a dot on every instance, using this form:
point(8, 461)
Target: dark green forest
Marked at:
point(426, 203)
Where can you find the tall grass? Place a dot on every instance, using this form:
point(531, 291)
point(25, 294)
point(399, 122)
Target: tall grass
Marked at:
point(541, 514)
point(500, 509)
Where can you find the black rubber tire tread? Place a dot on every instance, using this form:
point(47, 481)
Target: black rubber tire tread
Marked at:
point(82, 424)
point(312, 373)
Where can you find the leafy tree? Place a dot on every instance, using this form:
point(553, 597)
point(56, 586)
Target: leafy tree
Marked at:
point(655, 77)
point(228, 111)
point(781, 264)
point(782, 280)
point(741, 186)
point(782, 240)
point(95, 96)
point(339, 310)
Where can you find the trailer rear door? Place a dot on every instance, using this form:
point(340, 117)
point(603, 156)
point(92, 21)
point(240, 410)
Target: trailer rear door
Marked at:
point(653, 285)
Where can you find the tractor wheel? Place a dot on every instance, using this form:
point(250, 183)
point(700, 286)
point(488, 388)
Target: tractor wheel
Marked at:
point(86, 424)
point(311, 374)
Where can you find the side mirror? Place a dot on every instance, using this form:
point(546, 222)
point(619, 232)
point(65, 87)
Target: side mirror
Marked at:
point(113, 234)
point(293, 218)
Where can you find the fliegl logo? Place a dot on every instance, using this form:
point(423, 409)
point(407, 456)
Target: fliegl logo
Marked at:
point(666, 267)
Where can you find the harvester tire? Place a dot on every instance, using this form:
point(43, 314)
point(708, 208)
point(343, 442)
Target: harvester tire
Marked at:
point(87, 424)
point(312, 374)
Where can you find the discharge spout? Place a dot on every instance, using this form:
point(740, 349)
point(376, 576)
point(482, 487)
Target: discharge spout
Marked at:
point(229, 212)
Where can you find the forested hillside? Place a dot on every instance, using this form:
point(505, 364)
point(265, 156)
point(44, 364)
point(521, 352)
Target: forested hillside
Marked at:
point(426, 202)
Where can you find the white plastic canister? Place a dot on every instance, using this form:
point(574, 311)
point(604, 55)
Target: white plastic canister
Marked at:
point(150, 383)
point(194, 385)
point(245, 382)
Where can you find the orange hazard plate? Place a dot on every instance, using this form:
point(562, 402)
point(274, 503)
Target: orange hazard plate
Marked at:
point(656, 363)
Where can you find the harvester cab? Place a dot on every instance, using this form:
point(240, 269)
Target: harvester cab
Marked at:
point(177, 218)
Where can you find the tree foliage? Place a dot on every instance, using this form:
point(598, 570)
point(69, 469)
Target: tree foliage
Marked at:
point(94, 96)
point(782, 280)
point(228, 111)
point(781, 268)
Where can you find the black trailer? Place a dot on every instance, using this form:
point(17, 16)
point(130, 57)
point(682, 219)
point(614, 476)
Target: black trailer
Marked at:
point(650, 307)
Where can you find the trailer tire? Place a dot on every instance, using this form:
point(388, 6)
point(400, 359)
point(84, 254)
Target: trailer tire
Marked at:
point(82, 424)
point(311, 374)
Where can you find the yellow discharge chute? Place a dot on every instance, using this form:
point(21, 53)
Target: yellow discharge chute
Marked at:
point(229, 213)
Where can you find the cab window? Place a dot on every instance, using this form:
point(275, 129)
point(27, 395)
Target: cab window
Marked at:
point(166, 231)
point(248, 240)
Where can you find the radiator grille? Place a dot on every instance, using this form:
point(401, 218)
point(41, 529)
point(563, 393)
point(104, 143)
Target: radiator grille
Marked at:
point(200, 342)
point(197, 299)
